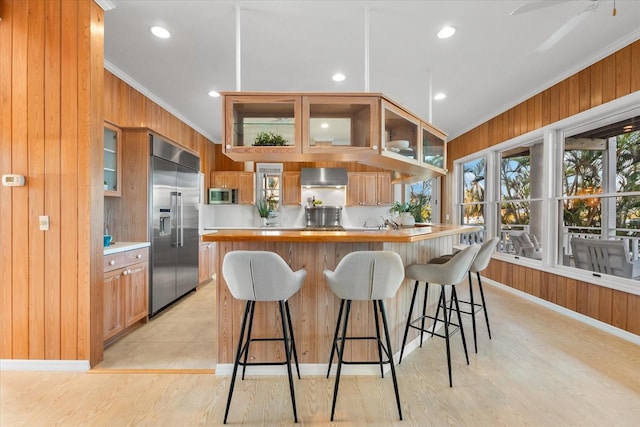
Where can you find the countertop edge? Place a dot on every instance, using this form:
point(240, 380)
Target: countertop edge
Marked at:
point(400, 236)
point(125, 246)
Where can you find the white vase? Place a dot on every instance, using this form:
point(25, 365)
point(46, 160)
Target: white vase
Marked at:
point(263, 222)
point(406, 219)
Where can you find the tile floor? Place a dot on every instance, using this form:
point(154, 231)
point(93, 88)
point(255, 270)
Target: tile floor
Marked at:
point(180, 337)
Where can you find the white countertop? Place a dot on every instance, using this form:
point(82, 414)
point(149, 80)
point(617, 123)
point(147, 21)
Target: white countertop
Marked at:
point(125, 246)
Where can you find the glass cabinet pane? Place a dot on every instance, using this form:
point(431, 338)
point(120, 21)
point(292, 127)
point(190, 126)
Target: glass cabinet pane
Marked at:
point(112, 157)
point(400, 133)
point(263, 124)
point(433, 148)
point(337, 123)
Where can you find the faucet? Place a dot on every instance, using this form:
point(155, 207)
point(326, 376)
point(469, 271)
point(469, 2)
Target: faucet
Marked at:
point(389, 223)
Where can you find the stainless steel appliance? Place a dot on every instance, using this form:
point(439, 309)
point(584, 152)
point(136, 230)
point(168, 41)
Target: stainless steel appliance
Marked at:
point(323, 177)
point(223, 196)
point(323, 217)
point(174, 199)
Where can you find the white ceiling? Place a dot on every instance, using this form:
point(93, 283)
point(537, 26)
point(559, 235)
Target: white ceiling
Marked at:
point(489, 65)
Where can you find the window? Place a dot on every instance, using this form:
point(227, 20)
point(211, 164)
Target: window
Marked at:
point(601, 193)
point(473, 205)
point(269, 188)
point(425, 193)
point(520, 203)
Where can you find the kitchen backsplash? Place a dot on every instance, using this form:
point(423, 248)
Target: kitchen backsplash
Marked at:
point(241, 216)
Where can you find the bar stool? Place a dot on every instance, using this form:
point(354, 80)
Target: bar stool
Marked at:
point(257, 276)
point(447, 274)
point(365, 276)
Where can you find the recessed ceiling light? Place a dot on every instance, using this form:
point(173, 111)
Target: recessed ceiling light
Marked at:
point(338, 77)
point(324, 125)
point(160, 32)
point(214, 94)
point(446, 32)
point(439, 96)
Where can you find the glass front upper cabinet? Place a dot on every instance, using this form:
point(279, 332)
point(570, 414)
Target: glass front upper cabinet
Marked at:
point(340, 123)
point(264, 123)
point(434, 147)
point(112, 160)
point(400, 134)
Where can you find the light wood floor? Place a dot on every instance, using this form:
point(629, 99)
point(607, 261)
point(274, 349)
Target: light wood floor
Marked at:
point(540, 369)
point(183, 336)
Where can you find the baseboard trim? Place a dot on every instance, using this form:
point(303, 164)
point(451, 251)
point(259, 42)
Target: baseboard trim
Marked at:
point(605, 327)
point(44, 365)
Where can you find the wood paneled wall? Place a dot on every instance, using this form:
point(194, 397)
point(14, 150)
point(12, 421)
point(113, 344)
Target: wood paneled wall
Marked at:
point(611, 306)
point(613, 77)
point(125, 107)
point(51, 80)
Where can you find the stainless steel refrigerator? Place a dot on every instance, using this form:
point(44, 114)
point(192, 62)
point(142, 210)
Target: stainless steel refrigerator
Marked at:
point(174, 201)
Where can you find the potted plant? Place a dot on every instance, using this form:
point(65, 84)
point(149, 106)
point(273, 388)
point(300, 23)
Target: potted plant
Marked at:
point(269, 139)
point(263, 210)
point(409, 212)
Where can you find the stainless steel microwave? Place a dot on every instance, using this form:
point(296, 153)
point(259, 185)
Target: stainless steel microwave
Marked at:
point(223, 196)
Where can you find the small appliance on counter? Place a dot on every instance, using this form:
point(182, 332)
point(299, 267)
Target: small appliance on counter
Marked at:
point(323, 217)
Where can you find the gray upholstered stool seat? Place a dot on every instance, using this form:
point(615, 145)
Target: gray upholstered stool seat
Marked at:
point(257, 276)
point(448, 273)
point(365, 276)
point(479, 264)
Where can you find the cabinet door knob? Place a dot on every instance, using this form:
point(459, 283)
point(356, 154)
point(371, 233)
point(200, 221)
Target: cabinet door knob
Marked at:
point(112, 262)
point(139, 256)
point(228, 146)
point(375, 147)
point(125, 272)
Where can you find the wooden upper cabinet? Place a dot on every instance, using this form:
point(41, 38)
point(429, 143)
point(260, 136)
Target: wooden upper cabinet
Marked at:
point(434, 148)
point(243, 181)
point(385, 189)
point(367, 128)
point(400, 133)
point(246, 116)
point(291, 189)
point(369, 189)
point(112, 160)
point(340, 124)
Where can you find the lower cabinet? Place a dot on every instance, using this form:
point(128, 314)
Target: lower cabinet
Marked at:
point(206, 261)
point(125, 291)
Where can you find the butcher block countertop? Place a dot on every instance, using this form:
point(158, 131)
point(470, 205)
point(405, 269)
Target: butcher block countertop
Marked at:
point(403, 235)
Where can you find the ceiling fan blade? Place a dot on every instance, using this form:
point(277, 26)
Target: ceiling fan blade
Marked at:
point(536, 5)
point(561, 32)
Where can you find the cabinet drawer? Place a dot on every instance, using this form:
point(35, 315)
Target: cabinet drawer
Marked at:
point(113, 261)
point(136, 255)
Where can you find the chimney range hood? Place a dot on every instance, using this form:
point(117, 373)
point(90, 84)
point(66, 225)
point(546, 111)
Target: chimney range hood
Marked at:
point(323, 177)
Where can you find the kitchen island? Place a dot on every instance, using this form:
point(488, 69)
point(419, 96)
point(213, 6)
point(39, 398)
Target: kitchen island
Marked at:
point(314, 309)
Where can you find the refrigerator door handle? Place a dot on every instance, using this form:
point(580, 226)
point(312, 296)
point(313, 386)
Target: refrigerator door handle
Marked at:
point(174, 206)
point(181, 223)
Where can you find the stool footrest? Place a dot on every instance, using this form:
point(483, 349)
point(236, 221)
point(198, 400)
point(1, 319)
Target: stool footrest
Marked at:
point(428, 330)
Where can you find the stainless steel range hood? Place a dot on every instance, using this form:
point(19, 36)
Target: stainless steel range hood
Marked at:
point(323, 177)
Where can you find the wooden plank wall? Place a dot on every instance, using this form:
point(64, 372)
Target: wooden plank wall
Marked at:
point(611, 306)
point(613, 77)
point(51, 75)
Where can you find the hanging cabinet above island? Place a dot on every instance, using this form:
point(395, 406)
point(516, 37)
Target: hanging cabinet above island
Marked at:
point(367, 128)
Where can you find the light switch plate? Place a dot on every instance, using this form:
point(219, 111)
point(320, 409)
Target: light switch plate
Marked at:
point(44, 222)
